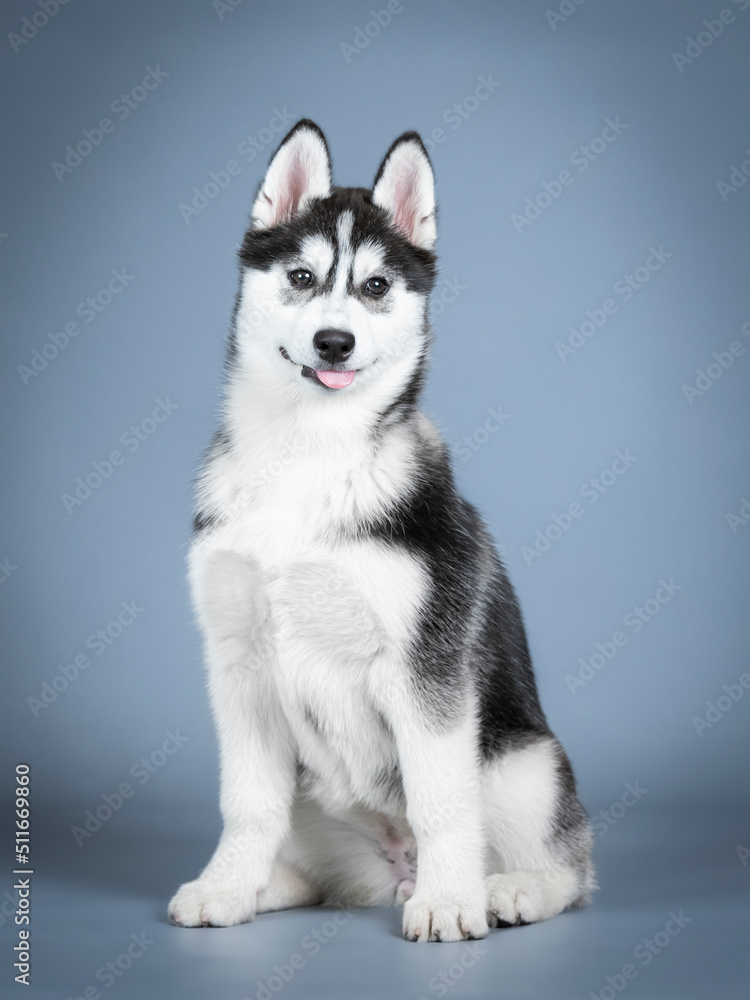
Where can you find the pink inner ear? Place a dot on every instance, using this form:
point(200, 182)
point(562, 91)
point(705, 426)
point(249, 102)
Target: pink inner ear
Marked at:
point(406, 202)
point(294, 189)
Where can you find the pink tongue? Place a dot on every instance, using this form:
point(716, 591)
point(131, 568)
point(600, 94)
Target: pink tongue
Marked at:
point(335, 380)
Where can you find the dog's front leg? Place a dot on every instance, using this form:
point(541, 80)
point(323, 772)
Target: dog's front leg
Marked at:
point(440, 773)
point(256, 750)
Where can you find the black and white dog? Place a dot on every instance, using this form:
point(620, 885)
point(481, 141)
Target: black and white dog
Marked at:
point(380, 731)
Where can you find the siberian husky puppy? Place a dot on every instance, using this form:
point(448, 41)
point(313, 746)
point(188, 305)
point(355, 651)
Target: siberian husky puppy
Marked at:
point(381, 738)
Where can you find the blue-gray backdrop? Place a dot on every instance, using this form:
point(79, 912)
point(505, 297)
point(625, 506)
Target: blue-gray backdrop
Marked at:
point(590, 369)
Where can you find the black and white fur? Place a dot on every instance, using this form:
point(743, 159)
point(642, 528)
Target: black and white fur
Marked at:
point(380, 732)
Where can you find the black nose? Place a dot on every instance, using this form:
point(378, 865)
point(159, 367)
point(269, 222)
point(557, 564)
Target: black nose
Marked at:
point(333, 345)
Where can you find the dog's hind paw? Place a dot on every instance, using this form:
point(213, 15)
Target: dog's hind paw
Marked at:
point(527, 897)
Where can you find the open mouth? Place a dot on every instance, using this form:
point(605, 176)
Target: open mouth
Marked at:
point(331, 378)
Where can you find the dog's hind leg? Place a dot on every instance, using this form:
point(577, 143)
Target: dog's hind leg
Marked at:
point(538, 835)
point(355, 859)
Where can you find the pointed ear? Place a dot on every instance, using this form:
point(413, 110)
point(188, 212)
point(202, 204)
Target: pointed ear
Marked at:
point(404, 186)
point(299, 171)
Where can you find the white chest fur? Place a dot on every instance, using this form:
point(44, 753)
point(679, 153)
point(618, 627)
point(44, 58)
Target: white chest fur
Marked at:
point(333, 613)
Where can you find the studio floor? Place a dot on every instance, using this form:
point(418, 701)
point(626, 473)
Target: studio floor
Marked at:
point(670, 922)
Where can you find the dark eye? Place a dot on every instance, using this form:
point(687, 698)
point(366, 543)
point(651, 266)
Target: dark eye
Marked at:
point(376, 287)
point(300, 278)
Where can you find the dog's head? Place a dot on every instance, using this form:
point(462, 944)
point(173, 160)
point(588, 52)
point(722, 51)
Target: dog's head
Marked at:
point(335, 282)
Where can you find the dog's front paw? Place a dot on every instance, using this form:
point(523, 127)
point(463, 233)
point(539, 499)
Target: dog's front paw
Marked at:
point(209, 903)
point(444, 919)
